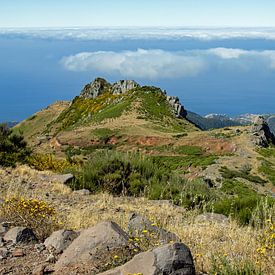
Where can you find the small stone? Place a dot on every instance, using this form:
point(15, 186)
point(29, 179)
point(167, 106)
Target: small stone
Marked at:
point(18, 252)
point(51, 259)
point(40, 247)
point(39, 270)
point(4, 253)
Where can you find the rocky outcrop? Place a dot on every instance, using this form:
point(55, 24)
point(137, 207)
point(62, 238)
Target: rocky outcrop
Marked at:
point(179, 110)
point(95, 88)
point(100, 85)
point(123, 86)
point(260, 133)
point(170, 259)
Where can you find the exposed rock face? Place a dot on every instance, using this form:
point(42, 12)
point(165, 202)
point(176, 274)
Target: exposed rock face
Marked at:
point(261, 134)
point(84, 249)
point(174, 101)
point(123, 86)
point(60, 240)
point(138, 223)
point(170, 259)
point(95, 88)
point(100, 85)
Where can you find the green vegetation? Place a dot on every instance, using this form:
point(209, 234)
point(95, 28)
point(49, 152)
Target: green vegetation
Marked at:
point(268, 170)
point(13, 148)
point(244, 174)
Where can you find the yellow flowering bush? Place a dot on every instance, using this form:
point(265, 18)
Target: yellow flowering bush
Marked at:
point(32, 213)
point(266, 250)
point(44, 162)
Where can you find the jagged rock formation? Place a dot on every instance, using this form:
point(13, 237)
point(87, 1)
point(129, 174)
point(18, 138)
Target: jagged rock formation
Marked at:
point(261, 134)
point(174, 101)
point(123, 86)
point(95, 88)
point(100, 85)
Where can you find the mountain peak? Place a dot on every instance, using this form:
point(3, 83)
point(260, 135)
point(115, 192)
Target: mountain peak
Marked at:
point(100, 86)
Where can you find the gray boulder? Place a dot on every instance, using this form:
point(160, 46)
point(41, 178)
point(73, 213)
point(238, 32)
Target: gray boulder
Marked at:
point(170, 259)
point(63, 178)
point(123, 86)
point(60, 240)
point(91, 242)
point(212, 218)
point(95, 88)
point(261, 134)
point(20, 235)
point(138, 223)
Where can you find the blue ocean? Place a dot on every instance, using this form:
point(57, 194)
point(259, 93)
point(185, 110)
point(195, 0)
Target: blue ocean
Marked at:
point(229, 75)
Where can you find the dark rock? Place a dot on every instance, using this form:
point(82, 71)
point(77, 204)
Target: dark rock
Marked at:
point(60, 240)
point(170, 259)
point(20, 235)
point(137, 224)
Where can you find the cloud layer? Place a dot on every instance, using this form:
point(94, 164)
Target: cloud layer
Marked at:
point(154, 64)
point(90, 34)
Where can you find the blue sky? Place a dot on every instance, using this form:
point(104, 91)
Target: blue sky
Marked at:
point(65, 13)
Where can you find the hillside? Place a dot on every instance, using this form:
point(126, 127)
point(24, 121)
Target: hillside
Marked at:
point(129, 149)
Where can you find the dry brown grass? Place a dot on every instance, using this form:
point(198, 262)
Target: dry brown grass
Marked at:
point(238, 244)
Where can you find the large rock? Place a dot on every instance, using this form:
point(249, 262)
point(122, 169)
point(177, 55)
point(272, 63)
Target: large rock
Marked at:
point(123, 86)
point(179, 110)
point(20, 235)
point(60, 240)
point(93, 241)
point(170, 259)
point(137, 224)
point(95, 88)
point(261, 134)
point(211, 218)
point(63, 178)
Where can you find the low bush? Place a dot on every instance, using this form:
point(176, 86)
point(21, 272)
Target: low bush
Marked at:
point(13, 148)
point(35, 214)
point(44, 162)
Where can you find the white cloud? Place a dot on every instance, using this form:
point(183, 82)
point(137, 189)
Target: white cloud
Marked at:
point(147, 64)
point(89, 34)
point(153, 64)
point(227, 53)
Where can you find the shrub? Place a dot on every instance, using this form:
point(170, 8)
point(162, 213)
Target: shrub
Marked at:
point(35, 214)
point(13, 148)
point(44, 162)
